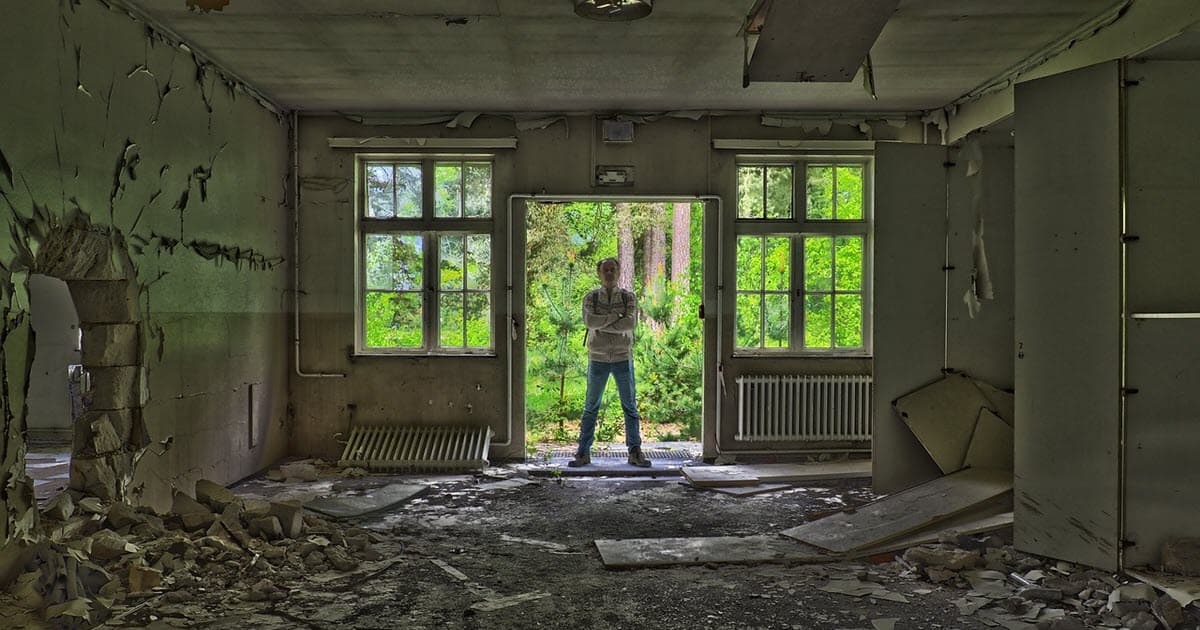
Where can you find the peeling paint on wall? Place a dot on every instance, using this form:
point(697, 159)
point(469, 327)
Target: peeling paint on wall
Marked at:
point(98, 177)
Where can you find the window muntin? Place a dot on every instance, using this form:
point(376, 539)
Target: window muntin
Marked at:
point(824, 306)
point(425, 267)
point(834, 192)
point(765, 191)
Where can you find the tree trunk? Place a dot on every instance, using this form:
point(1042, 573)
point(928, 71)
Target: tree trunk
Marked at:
point(625, 245)
point(681, 246)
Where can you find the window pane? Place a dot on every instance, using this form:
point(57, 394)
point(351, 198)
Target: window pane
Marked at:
point(749, 263)
point(778, 319)
point(393, 320)
point(450, 263)
point(779, 192)
point(750, 192)
point(448, 187)
point(779, 264)
point(818, 263)
point(450, 320)
point(479, 320)
point(380, 202)
point(849, 267)
point(478, 179)
point(408, 190)
point(749, 320)
point(849, 320)
point(479, 261)
point(849, 192)
point(820, 192)
point(394, 261)
point(817, 322)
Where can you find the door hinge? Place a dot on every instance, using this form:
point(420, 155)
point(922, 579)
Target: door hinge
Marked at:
point(1129, 238)
point(1129, 391)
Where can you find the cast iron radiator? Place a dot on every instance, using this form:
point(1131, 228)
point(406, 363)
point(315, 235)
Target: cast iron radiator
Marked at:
point(417, 448)
point(804, 408)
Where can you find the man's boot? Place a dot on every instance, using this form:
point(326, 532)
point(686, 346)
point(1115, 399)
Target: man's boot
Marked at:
point(581, 459)
point(637, 459)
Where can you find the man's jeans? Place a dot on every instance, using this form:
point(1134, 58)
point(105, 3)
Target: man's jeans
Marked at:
point(597, 380)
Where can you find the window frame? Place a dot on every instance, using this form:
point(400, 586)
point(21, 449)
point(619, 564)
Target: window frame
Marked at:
point(431, 228)
point(798, 228)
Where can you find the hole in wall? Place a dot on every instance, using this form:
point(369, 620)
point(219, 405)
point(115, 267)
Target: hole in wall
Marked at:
point(56, 386)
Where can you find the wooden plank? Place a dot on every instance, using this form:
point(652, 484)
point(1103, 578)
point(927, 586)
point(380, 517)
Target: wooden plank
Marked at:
point(754, 474)
point(904, 512)
point(909, 287)
point(1068, 316)
point(991, 444)
point(942, 415)
point(718, 476)
point(815, 40)
point(664, 552)
point(746, 491)
point(990, 517)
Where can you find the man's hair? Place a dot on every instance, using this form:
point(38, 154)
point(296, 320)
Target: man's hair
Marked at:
point(609, 259)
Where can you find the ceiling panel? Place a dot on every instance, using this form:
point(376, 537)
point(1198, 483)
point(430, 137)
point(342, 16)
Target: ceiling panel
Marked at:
point(537, 55)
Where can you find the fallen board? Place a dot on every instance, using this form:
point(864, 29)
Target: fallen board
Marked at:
point(968, 524)
point(905, 512)
point(664, 552)
point(942, 416)
point(341, 507)
point(754, 474)
point(1182, 589)
point(991, 445)
point(747, 491)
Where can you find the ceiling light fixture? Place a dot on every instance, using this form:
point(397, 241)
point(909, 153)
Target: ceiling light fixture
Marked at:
point(614, 10)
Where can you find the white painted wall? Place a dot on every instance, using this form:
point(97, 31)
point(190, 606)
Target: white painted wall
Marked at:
point(57, 328)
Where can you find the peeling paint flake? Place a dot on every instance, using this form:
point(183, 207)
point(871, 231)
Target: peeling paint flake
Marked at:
point(6, 170)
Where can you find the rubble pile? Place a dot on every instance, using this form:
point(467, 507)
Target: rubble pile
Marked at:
point(96, 561)
point(1013, 590)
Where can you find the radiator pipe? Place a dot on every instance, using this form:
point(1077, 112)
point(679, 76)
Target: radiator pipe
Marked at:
point(294, 120)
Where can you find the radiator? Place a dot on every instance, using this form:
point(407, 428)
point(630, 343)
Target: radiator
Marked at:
point(417, 448)
point(804, 408)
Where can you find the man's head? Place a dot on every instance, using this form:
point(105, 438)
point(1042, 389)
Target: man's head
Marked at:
point(609, 271)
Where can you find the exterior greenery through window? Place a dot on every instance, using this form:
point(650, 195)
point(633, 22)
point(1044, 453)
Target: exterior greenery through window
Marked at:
point(802, 257)
point(425, 272)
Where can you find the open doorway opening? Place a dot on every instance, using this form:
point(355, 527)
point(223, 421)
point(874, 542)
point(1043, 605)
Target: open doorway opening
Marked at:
point(658, 245)
point(56, 397)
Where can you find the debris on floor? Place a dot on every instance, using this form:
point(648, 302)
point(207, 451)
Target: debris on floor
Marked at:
point(104, 560)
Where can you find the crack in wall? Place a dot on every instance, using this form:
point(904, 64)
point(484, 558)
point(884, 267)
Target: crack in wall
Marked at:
point(207, 250)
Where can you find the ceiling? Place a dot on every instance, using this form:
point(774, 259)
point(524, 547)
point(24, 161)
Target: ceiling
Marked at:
point(538, 56)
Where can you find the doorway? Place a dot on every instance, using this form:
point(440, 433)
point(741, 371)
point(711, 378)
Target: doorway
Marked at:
point(659, 246)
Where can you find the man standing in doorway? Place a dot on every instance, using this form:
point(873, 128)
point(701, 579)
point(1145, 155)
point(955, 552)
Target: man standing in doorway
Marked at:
point(610, 315)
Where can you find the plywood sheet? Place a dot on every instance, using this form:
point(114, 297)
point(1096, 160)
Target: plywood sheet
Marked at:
point(719, 476)
point(754, 474)
point(999, 401)
point(340, 507)
point(942, 415)
point(1068, 274)
point(991, 444)
point(662, 552)
point(968, 524)
point(814, 40)
point(904, 512)
point(747, 491)
point(909, 318)
point(1182, 589)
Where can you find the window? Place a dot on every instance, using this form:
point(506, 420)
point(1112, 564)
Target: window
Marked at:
point(425, 263)
point(802, 268)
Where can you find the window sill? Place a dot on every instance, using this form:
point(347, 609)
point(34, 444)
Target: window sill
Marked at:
point(398, 354)
point(804, 355)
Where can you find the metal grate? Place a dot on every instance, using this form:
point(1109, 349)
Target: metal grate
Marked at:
point(650, 453)
point(418, 448)
point(804, 408)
